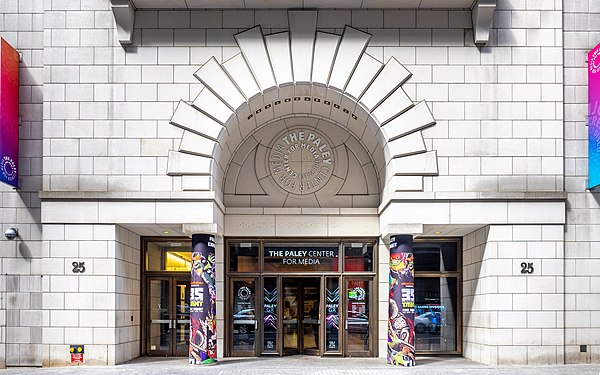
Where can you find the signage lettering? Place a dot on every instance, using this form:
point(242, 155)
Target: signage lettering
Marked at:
point(301, 257)
point(301, 161)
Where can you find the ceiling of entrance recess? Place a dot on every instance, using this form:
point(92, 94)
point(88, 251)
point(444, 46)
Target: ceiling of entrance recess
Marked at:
point(254, 4)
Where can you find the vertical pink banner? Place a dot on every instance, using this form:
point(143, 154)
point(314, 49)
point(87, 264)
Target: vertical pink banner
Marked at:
point(9, 114)
point(594, 117)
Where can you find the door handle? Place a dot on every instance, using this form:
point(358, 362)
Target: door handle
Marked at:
point(255, 324)
point(346, 325)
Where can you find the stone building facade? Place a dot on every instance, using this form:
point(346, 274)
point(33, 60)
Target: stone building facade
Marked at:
point(178, 118)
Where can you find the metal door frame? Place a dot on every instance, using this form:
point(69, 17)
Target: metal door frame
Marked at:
point(229, 321)
point(172, 288)
point(372, 314)
point(300, 296)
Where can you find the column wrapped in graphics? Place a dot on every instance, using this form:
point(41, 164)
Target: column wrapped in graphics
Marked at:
point(401, 325)
point(203, 301)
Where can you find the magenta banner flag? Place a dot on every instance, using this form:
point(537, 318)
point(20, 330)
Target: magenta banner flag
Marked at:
point(594, 117)
point(9, 114)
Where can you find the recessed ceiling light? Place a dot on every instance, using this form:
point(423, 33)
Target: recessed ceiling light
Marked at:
point(437, 232)
point(166, 232)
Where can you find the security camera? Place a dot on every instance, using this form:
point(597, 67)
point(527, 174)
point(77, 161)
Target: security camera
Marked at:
point(11, 233)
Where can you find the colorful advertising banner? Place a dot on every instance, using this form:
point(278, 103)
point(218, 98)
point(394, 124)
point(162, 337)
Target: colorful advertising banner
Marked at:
point(203, 301)
point(9, 114)
point(594, 117)
point(401, 326)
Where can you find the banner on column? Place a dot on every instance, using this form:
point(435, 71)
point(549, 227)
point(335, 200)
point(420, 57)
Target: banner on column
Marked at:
point(401, 325)
point(594, 117)
point(203, 301)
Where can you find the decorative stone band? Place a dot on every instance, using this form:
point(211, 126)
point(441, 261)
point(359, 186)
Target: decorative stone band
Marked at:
point(302, 72)
point(203, 301)
point(401, 326)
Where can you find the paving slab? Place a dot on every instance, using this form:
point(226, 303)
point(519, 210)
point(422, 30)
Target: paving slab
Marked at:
point(301, 365)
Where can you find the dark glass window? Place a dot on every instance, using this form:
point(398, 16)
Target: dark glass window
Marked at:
point(243, 257)
point(358, 257)
point(435, 256)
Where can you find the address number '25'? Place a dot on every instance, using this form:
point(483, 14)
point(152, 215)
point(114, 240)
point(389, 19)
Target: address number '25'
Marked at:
point(527, 268)
point(78, 267)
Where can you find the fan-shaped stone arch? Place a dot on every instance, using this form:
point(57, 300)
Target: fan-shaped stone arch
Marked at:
point(303, 73)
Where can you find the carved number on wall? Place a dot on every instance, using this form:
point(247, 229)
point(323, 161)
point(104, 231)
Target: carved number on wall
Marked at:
point(78, 267)
point(527, 268)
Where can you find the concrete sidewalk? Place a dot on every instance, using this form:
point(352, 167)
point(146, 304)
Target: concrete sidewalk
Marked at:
point(298, 365)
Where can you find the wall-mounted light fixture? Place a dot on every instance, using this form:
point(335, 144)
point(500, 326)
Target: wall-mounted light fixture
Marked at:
point(11, 234)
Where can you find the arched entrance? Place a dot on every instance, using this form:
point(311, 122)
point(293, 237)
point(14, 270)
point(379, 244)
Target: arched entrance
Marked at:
point(301, 120)
point(300, 74)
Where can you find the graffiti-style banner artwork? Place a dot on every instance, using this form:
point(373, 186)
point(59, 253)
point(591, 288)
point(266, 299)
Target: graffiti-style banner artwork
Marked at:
point(401, 326)
point(203, 302)
point(9, 114)
point(594, 117)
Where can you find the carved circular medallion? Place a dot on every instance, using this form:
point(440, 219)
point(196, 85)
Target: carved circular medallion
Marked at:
point(301, 160)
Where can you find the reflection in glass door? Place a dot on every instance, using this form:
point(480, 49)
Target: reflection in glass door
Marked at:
point(168, 316)
point(244, 317)
point(301, 315)
point(358, 317)
point(181, 321)
point(311, 291)
point(159, 327)
point(435, 314)
point(291, 303)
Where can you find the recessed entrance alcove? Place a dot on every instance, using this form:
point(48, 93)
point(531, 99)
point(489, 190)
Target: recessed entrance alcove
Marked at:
point(301, 161)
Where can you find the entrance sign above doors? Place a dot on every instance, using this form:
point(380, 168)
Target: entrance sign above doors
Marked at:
point(301, 258)
point(594, 117)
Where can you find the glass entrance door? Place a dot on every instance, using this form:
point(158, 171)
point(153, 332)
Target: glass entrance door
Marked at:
point(244, 317)
point(358, 317)
point(181, 320)
point(302, 316)
point(168, 315)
